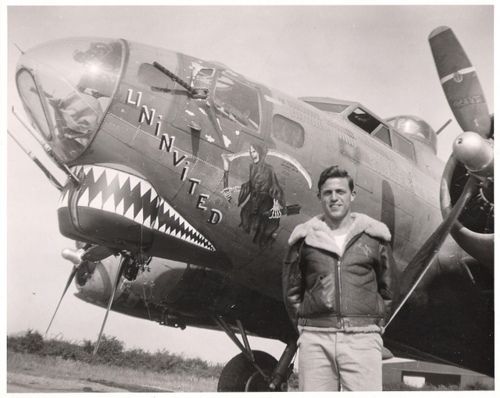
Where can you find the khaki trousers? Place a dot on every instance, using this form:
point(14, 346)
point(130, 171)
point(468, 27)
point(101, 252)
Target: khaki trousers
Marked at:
point(335, 361)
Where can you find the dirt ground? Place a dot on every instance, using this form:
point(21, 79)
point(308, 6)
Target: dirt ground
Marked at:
point(19, 382)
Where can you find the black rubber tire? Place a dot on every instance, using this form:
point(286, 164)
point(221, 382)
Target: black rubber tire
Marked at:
point(238, 371)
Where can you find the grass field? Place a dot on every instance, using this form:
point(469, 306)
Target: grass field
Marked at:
point(56, 368)
point(38, 365)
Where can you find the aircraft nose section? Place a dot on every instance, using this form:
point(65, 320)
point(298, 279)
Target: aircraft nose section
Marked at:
point(66, 87)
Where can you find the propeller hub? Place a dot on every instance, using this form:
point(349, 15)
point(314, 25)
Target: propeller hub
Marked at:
point(75, 256)
point(475, 153)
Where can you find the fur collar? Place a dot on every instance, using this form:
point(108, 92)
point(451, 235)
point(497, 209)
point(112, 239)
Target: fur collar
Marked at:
point(317, 233)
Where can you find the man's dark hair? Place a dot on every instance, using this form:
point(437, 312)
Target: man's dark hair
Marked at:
point(334, 172)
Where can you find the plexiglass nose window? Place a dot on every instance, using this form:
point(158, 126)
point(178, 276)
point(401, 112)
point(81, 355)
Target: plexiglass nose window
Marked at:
point(75, 80)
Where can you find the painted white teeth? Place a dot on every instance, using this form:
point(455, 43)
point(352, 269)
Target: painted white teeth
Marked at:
point(183, 230)
point(134, 181)
point(96, 203)
point(144, 188)
point(122, 178)
point(119, 208)
point(139, 217)
point(130, 213)
point(109, 205)
point(106, 176)
point(97, 173)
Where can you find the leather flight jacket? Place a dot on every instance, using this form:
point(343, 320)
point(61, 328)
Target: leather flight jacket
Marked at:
point(350, 288)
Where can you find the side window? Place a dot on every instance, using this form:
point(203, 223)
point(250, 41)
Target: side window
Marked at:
point(237, 102)
point(288, 131)
point(403, 146)
point(382, 133)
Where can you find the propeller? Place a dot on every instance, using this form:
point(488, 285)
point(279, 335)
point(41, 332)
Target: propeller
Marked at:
point(78, 257)
point(423, 259)
point(473, 152)
point(473, 148)
point(460, 82)
point(124, 262)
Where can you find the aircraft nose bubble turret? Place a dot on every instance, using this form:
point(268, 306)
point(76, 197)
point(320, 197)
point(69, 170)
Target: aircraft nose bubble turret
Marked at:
point(475, 153)
point(66, 87)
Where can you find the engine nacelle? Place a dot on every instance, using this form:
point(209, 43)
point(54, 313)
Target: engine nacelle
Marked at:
point(179, 294)
point(474, 230)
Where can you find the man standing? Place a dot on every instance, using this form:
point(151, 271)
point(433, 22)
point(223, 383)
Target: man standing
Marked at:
point(337, 288)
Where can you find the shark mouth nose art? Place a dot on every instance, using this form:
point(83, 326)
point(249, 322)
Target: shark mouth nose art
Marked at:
point(126, 195)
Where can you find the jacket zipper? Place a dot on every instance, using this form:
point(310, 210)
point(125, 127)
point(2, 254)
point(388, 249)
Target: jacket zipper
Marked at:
point(339, 290)
point(339, 263)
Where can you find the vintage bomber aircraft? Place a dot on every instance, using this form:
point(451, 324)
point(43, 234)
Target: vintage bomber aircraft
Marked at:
point(185, 180)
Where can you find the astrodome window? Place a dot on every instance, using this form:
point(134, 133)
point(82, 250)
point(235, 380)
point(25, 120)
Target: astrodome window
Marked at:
point(237, 101)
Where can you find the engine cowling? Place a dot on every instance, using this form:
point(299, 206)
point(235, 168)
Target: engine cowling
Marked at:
point(474, 230)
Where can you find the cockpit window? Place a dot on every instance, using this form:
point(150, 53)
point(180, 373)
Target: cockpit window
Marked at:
point(75, 80)
point(371, 125)
point(363, 120)
point(237, 102)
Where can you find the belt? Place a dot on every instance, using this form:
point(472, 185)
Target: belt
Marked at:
point(341, 322)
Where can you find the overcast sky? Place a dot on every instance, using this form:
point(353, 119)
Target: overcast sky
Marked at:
point(377, 55)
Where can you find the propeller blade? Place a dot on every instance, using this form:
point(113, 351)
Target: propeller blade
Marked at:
point(68, 283)
point(423, 259)
point(123, 262)
point(460, 82)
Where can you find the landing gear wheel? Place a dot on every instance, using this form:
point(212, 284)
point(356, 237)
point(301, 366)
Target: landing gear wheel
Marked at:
point(239, 374)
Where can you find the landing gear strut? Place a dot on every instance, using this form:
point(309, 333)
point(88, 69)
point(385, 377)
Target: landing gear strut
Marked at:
point(254, 370)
